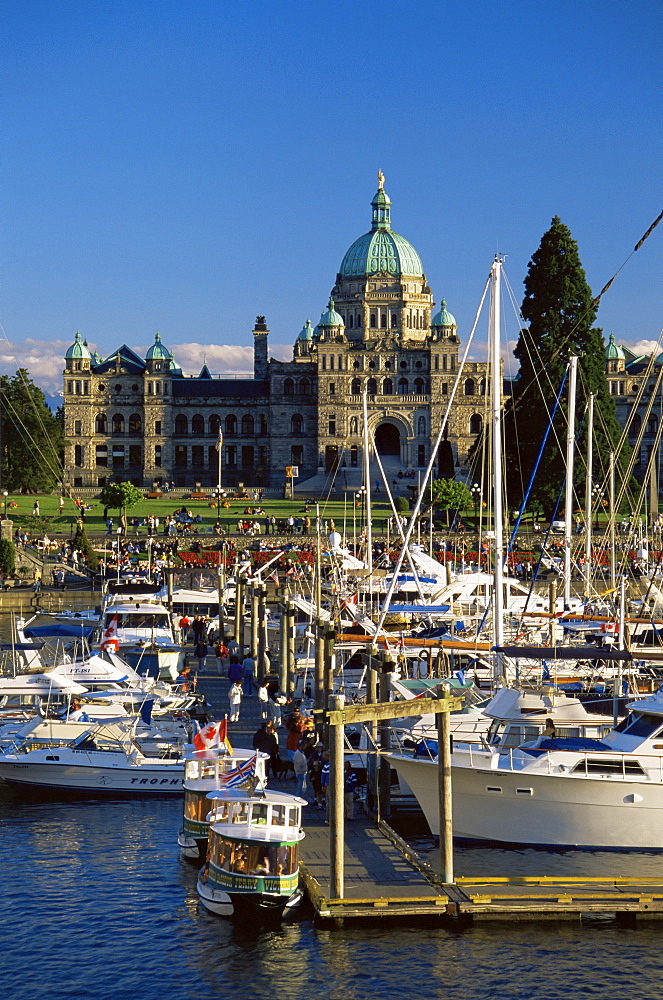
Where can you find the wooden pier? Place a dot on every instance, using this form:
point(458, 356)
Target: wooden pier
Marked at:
point(385, 879)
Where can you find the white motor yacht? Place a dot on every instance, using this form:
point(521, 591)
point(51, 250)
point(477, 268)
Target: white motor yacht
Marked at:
point(558, 791)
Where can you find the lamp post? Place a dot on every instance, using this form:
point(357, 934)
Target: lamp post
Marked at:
point(4, 505)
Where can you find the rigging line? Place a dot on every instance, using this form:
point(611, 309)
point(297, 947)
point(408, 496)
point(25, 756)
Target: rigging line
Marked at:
point(21, 373)
point(25, 433)
point(637, 246)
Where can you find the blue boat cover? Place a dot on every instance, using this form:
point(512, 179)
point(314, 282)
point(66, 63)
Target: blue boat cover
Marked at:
point(59, 630)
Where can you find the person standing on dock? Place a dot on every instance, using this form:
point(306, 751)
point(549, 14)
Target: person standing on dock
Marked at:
point(300, 765)
point(349, 786)
point(235, 699)
point(248, 669)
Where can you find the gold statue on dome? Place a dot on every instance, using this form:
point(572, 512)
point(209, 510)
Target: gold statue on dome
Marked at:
point(380, 181)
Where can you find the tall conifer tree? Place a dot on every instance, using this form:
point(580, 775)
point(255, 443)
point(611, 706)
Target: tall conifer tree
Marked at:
point(558, 307)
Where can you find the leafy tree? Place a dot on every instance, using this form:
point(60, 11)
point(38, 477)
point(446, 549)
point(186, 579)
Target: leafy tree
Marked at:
point(450, 494)
point(559, 309)
point(402, 505)
point(119, 496)
point(82, 543)
point(7, 556)
point(31, 437)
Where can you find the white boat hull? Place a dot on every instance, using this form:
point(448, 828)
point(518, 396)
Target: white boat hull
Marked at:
point(73, 776)
point(542, 809)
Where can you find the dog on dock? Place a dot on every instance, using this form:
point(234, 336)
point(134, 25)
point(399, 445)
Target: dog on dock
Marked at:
point(282, 768)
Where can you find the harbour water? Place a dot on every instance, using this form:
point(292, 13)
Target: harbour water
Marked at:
point(97, 904)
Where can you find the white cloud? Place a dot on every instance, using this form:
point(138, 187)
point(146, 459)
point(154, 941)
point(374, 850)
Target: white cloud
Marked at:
point(645, 347)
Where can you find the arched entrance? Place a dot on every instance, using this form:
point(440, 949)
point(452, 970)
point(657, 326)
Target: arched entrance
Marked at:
point(388, 440)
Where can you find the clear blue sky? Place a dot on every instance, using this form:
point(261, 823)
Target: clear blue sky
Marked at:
point(184, 166)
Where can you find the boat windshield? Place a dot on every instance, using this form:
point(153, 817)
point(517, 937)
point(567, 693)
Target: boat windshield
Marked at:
point(640, 724)
point(253, 859)
point(140, 620)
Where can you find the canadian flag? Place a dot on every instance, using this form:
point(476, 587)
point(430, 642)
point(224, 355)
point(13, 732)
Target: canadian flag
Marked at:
point(110, 640)
point(213, 735)
point(354, 599)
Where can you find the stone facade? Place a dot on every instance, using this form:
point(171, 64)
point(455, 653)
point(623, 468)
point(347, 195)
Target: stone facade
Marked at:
point(143, 420)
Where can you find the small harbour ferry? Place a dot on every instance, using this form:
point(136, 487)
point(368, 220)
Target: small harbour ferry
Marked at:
point(252, 865)
point(208, 771)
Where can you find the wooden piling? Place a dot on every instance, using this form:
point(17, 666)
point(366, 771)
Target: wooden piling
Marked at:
point(335, 804)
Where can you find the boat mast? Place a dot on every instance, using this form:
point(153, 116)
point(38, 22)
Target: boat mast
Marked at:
point(568, 506)
point(496, 422)
point(367, 484)
point(588, 496)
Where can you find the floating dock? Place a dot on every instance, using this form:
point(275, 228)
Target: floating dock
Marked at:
point(385, 878)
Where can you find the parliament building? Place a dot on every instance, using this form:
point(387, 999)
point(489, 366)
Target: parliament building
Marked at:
point(143, 420)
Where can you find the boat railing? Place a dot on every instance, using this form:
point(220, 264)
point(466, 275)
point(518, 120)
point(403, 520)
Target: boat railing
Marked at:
point(588, 763)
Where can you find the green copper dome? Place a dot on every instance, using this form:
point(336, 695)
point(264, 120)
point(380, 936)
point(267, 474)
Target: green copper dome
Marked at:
point(443, 317)
point(306, 333)
point(381, 249)
point(78, 349)
point(157, 351)
point(613, 352)
point(330, 317)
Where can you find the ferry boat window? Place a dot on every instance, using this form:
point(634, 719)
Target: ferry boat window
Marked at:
point(239, 812)
point(259, 813)
point(278, 815)
point(640, 724)
point(221, 812)
point(195, 806)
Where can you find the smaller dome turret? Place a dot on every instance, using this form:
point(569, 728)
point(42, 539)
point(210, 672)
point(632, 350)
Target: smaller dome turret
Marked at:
point(443, 317)
point(306, 332)
point(78, 350)
point(330, 317)
point(157, 352)
point(613, 351)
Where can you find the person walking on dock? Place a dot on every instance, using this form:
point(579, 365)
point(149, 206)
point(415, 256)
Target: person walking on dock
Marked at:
point(349, 786)
point(248, 669)
point(235, 699)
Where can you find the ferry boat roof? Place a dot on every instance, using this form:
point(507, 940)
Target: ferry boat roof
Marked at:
point(253, 832)
point(267, 795)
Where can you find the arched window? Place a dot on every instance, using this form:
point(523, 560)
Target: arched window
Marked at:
point(231, 424)
point(469, 387)
point(118, 423)
point(355, 388)
point(387, 387)
point(354, 425)
point(351, 321)
point(475, 424)
point(373, 320)
point(181, 424)
point(197, 424)
point(135, 423)
point(359, 320)
point(403, 387)
point(483, 387)
point(100, 424)
point(247, 424)
point(394, 321)
point(288, 387)
point(421, 425)
point(214, 423)
point(371, 387)
point(652, 424)
point(304, 387)
point(354, 456)
point(635, 425)
point(383, 321)
point(419, 386)
point(297, 424)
